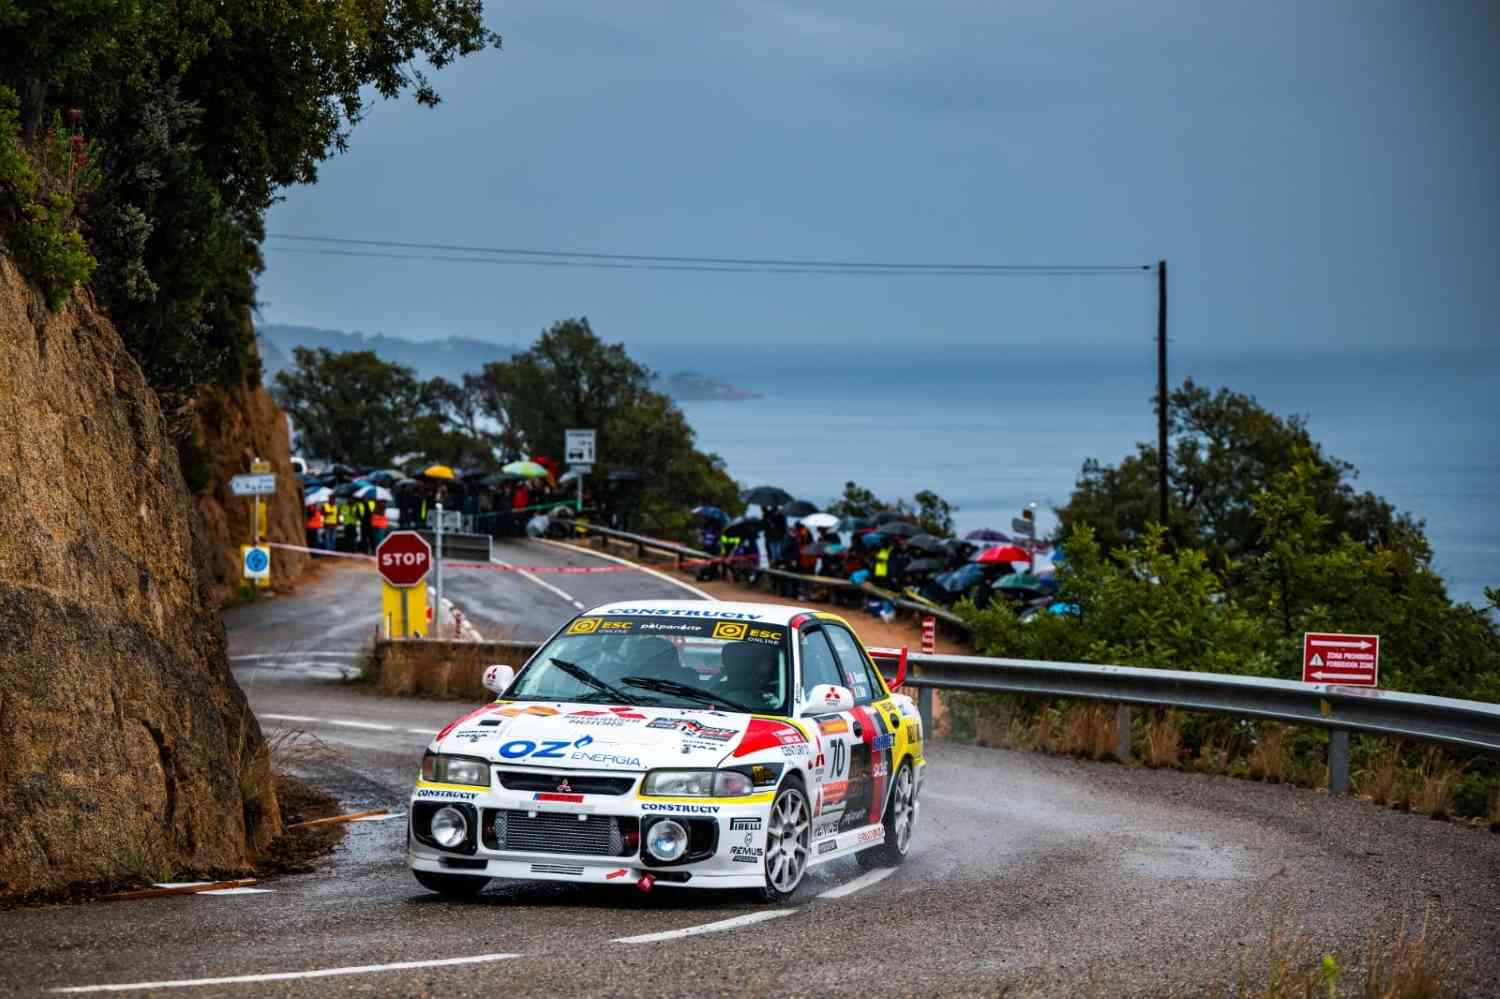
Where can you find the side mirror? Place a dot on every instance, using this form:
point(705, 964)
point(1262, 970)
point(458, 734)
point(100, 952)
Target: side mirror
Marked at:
point(827, 698)
point(498, 677)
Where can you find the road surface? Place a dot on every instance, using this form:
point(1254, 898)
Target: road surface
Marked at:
point(1028, 871)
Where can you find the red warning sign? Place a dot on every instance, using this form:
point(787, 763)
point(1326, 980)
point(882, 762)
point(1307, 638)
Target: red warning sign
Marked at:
point(1350, 660)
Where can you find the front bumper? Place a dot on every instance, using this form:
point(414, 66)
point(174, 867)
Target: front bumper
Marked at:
point(553, 836)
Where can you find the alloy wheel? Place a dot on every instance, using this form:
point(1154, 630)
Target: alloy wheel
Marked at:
point(787, 840)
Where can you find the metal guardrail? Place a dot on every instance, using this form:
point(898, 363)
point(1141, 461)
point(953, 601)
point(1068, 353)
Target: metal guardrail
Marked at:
point(462, 547)
point(1471, 725)
point(681, 552)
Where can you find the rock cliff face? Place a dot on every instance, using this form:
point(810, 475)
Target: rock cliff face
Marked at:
point(125, 744)
point(232, 429)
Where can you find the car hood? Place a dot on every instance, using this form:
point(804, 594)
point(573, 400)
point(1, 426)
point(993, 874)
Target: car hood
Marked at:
point(564, 736)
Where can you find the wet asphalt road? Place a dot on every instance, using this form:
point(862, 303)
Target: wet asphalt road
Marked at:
point(1028, 872)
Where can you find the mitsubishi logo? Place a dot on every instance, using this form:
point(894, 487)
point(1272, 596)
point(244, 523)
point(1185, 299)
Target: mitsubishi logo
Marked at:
point(563, 787)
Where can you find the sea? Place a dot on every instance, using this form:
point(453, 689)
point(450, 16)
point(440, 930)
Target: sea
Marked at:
point(993, 431)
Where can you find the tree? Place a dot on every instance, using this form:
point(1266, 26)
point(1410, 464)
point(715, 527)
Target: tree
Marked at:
point(351, 407)
point(569, 378)
point(1225, 449)
point(934, 514)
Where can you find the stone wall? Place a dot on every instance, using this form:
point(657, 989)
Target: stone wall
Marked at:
point(454, 670)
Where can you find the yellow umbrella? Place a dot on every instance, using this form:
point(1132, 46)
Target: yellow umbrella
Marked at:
point(438, 472)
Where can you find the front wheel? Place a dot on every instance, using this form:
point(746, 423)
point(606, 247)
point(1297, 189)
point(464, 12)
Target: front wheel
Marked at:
point(788, 840)
point(451, 885)
point(899, 819)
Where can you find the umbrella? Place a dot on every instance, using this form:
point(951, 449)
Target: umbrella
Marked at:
point(571, 475)
point(962, 579)
point(768, 496)
point(824, 548)
point(927, 543)
point(818, 521)
point(925, 565)
point(899, 529)
point(743, 526)
point(711, 513)
point(887, 517)
point(853, 523)
point(986, 534)
point(374, 492)
point(1001, 553)
point(800, 508)
point(526, 469)
point(385, 477)
point(438, 472)
point(347, 489)
point(495, 479)
point(1020, 581)
point(318, 495)
point(342, 472)
point(959, 548)
point(546, 462)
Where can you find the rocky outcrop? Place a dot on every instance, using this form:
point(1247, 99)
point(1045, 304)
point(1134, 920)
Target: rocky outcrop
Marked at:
point(125, 744)
point(231, 428)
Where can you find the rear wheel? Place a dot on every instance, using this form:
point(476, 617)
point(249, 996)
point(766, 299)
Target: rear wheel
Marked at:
point(899, 819)
point(452, 885)
point(788, 840)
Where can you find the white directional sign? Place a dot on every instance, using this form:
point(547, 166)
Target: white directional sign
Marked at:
point(578, 447)
point(253, 485)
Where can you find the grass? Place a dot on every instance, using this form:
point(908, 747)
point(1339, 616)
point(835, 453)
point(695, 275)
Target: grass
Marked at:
point(1436, 778)
point(1088, 729)
point(1163, 740)
point(1401, 962)
point(1270, 756)
point(1383, 780)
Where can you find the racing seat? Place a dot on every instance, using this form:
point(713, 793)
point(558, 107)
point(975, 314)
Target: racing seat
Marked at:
point(657, 657)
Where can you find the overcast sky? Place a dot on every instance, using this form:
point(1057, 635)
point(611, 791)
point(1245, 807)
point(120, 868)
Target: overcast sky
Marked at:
point(1318, 174)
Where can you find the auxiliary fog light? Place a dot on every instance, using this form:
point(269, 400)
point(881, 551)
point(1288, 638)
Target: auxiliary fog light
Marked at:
point(449, 827)
point(667, 840)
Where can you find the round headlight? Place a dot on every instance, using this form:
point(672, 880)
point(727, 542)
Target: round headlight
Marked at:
point(449, 827)
point(667, 840)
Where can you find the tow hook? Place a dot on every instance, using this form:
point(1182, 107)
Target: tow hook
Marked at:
point(646, 883)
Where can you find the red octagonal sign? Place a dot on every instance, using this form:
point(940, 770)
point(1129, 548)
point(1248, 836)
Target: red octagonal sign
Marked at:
point(403, 558)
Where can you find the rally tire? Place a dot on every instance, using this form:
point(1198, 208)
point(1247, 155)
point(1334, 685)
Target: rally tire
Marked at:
point(900, 816)
point(788, 842)
point(451, 885)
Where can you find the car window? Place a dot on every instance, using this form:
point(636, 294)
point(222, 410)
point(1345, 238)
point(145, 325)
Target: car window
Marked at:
point(859, 676)
point(818, 665)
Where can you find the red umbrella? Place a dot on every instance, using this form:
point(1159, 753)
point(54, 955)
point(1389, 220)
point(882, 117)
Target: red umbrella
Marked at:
point(1002, 553)
point(546, 463)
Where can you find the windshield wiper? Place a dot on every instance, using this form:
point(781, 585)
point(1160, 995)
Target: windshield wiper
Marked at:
point(683, 690)
point(584, 676)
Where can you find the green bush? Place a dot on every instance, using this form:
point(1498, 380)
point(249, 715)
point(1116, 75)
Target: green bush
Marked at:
point(40, 192)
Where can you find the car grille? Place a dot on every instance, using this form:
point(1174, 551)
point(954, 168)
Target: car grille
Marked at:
point(519, 780)
point(554, 832)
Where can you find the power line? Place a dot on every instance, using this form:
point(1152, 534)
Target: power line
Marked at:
point(646, 261)
point(779, 269)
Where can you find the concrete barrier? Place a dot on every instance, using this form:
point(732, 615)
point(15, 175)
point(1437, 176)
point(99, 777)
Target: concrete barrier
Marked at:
point(454, 670)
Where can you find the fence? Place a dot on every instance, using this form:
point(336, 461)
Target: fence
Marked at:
point(1469, 725)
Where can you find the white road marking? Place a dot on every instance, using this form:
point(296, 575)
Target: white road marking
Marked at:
point(748, 919)
point(345, 723)
point(540, 582)
point(634, 565)
point(876, 876)
point(284, 976)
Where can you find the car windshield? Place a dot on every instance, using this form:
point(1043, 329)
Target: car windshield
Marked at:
point(665, 661)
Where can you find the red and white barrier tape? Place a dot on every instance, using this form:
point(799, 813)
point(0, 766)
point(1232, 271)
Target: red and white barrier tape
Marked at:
point(448, 563)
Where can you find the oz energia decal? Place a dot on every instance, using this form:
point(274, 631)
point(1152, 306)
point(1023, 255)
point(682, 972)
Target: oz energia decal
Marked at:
point(558, 749)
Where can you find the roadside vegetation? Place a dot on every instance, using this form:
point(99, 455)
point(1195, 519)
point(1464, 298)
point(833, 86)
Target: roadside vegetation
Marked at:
point(141, 145)
point(1267, 539)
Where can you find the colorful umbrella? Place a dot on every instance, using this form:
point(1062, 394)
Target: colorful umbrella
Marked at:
point(1020, 581)
point(711, 513)
point(527, 469)
point(320, 495)
point(438, 472)
point(986, 534)
point(1001, 553)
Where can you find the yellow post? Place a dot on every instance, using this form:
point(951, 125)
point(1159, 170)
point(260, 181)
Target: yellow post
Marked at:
point(405, 608)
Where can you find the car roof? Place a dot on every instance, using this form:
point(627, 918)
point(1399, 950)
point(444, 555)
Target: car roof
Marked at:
point(730, 610)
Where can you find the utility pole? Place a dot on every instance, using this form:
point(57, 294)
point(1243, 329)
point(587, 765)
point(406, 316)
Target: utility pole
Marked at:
point(1161, 387)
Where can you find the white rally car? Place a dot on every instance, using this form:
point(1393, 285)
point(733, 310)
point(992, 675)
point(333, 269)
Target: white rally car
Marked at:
point(674, 742)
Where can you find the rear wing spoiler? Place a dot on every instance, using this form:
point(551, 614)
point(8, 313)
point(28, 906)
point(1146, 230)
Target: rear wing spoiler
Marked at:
point(891, 663)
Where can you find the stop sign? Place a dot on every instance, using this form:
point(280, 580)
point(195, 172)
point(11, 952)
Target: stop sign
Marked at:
point(403, 558)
